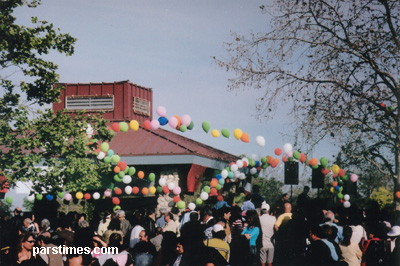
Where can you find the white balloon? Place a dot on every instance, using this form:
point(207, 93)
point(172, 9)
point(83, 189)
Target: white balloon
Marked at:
point(242, 176)
point(96, 195)
point(346, 197)
point(260, 141)
point(255, 157)
point(224, 173)
point(171, 185)
point(128, 190)
point(347, 204)
point(162, 181)
point(253, 170)
point(101, 155)
point(204, 195)
point(234, 167)
point(287, 147)
point(239, 163)
point(127, 179)
point(237, 174)
point(192, 206)
point(31, 198)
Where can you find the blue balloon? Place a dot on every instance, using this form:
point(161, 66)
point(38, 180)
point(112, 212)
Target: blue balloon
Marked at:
point(337, 188)
point(163, 121)
point(218, 176)
point(110, 153)
point(257, 164)
point(231, 175)
point(49, 197)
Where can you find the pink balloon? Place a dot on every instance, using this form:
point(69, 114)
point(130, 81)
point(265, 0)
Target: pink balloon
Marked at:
point(176, 190)
point(154, 124)
point(107, 193)
point(186, 120)
point(354, 178)
point(161, 111)
point(68, 197)
point(173, 122)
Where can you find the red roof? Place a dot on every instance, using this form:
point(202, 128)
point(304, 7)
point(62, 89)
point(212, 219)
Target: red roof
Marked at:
point(162, 142)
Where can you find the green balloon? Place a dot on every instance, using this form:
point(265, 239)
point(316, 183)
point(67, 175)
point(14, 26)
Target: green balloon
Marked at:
point(159, 189)
point(207, 189)
point(265, 166)
point(218, 186)
point(206, 126)
point(181, 205)
point(116, 208)
point(252, 163)
point(117, 178)
point(182, 128)
point(291, 159)
point(315, 166)
point(126, 170)
point(340, 195)
point(39, 196)
point(9, 200)
point(121, 174)
point(107, 159)
point(296, 155)
point(115, 158)
point(132, 171)
point(190, 127)
point(152, 177)
point(60, 194)
point(199, 201)
point(104, 147)
point(345, 178)
point(123, 127)
point(221, 181)
point(264, 160)
point(324, 162)
point(225, 133)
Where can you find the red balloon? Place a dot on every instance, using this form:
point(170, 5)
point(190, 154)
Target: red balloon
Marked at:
point(325, 171)
point(146, 124)
point(341, 172)
point(284, 159)
point(303, 157)
point(220, 198)
point(177, 199)
point(87, 196)
point(115, 200)
point(165, 189)
point(397, 194)
point(115, 127)
point(269, 159)
point(118, 191)
point(278, 151)
point(213, 191)
point(122, 165)
point(135, 190)
point(245, 164)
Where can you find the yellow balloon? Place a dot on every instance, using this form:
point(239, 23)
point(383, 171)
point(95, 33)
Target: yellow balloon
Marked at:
point(134, 125)
point(79, 195)
point(335, 169)
point(332, 189)
point(237, 133)
point(215, 133)
point(152, 190)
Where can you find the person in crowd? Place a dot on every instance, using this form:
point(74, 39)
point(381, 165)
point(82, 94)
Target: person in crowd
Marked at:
point(359, 234)
point(98, 244)
point(45, 227)
point(103, 225)
point(17, 220)
point(220, 203)
point(157, 240)
point(24, 252)
point(79, 260)
point(207, 221)
point(251, 232)
point(134, 237)
point(185, 218)
point(113, 227)
point(179, 251)
point(149, 223)
point(170, 223)
point(285, 217)
point(237, 244)
point(256, 198)
point(239, 198)
point(121, 257)
point(267, 223)
point(160, 222)
point(248, 204)
point(394, 257)
point(329, 219)
point(303, 200)
point(351, 252)
point(28, 226)
point(51, 259)
point(218, 242)
point(167, 254)
point(280, 204)
point(225, 213)
point(373, 249)
point(125, 225)
point(144, 252)
point(319, 252)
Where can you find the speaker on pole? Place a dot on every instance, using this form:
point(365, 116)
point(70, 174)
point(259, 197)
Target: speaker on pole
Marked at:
point(317, 180)
point(291, 173)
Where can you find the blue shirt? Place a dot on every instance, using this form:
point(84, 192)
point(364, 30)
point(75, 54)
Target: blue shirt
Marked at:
point(254, 232)
point(248, 205)
point(220, 204)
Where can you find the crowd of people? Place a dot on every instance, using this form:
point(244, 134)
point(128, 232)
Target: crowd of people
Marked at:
point(244, 231)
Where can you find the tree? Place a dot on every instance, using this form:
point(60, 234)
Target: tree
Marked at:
point(57, 142)
point(270, 189)
point(337, 62)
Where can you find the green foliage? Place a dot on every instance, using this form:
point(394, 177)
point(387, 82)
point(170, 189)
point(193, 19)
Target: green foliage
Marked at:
point(5, 209)
point(270, 189)
point(56, 142)
point(28, 205)
point(383, 196)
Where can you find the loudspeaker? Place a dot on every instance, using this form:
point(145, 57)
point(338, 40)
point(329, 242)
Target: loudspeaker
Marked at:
point(317, 180)
point(291, 173)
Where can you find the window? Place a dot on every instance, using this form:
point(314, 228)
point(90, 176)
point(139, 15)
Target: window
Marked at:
point(90, 103)
point(141, 106)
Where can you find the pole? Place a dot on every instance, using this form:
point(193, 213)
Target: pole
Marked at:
point(291, 193)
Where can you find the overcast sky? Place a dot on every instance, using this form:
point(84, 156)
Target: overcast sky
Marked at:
point(167, 45)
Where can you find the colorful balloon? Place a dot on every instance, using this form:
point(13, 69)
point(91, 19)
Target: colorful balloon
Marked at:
point(260, 140)
point(186, 120)
point(154, 124)
point(152, 190)
point(353, 178)
point(237, 133)
point(181, 205)
point(134, 125)
point(145, 191)
point(87, 196)
point(225, 133)
point(183, 128)
point(287, 147)
point(123, 127)
point(190, 127)
point(173, 122)
point(115, 127)
point(115, 201)
point(152, 177)
point(206, 126)
point(245, 137)
point(128, 190)
point(147, 124)
point(192, 206)
point(104, 147)
point(161, 111)
point(9, 200)
point(67, 196)
point(141, 174)
point(204, 195)
point(278, 151)
point(79, 195)
point(163, 121)
point(96, 195)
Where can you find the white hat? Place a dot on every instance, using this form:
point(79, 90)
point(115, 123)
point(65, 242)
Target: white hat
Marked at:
point(217, 228)
point(395, 231)
point(265, 206)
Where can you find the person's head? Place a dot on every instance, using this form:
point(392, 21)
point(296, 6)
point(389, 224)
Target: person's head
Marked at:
point(225, 212)
point(306, 189)
point(265, 208)
point(218, 231)
point(193, 216)
point(179, 247)
point(114, 224)
point(168, 217)
point(315, 232)
point(81, 217)
point(26, 242)
point(45, 223)
point(347, 233)
point(329, 216)
point(206, 213)
point(151, 213)
point(143, 236)
point(288, 207)
point(79, 260)
point(17, 211)
point(326, 231)
point(115, 240)
point(27, 222)
point(121, 215)
point(285, 197)
point(252, 218)
point(106, 216)
point(43, 239)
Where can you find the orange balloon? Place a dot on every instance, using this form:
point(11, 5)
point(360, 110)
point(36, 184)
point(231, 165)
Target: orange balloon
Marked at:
point(145, 190)
point(245, 138)
point(334, 183)
point(140, 174)
point(276, 161)
point(269, 159)
point(179, 121)
point(214, 183)
point(117, 169)
point(313, 161)
point(397, 194)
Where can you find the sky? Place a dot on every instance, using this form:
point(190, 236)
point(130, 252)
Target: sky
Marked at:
point(168, 46)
